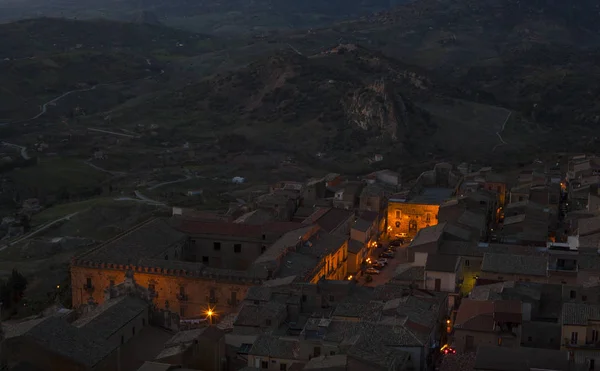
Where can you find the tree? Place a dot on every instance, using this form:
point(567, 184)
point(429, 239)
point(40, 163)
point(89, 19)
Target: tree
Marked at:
point(17, 283)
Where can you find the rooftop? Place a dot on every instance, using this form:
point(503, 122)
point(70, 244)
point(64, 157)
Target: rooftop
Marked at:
point(579, 313)
point(275, 347)
point(250, 231)
point(442, 263)
point(355, 247)
point(480, 315)
point(333, 218)
point(519, 359)
point(410, 273)
point(60, 337)
point(362, 225)
point(256, 315)
point(515, 264)
point(327, 362)
point(432, 196)
point(111, 315)
point(147, 240)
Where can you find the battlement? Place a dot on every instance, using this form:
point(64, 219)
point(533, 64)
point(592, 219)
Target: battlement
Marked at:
point(173, 268)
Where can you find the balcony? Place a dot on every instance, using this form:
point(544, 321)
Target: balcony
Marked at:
point(591, 345)
point(212, 300)
point(182, 297)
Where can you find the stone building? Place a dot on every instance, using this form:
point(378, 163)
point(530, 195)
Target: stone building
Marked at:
point(409, 213)
point(159, 256)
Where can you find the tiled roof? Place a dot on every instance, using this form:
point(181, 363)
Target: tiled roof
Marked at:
point(473, 220)
point(589, 226)
point(442, 263)
point(479, 315)
point(428, 235)
point(365, 311)
point(521, 358)
point(322, 243)
point(256, 315)
point(252, 231)
point(458, 362)
point(333, 218)
point(362, 225)
point(147, 240)
point(111, 315)
point(515, 264)
point(58, 336)
point(275, 347)
point(327, 362)
point(355, 247)
point(579, 313)
point(411, 273)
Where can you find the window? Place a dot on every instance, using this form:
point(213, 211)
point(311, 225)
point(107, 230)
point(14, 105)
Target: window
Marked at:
point(88, 282)
point(594, 336)
point(263, 249)
point(317, 351)
point(583, 297)
point(268, 321)
point(398, 214)
point(182, 312)
point(499, 189)
point(264, 364)
point(181, 290)
point(237, 248)
point(592, 364)
point(112, 283)
point(574, 336)
point(143, 322)
point(520, 198)
point(122, 339)
point(166, 257)
point(303, 298)
point(211, 296)
point(332, 353)
point(428, 218)
point(264, 236)
point(467, 262)
point(282, 367)
point(397, 224)
point(573, 294)
point(205, 259)
point(133, 331)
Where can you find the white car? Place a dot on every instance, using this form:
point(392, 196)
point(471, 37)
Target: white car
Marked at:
point(372, 271)
point(382, 261)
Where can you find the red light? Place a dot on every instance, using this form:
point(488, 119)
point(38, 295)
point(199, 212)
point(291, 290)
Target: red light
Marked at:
point(445, 351)
point(453, 351)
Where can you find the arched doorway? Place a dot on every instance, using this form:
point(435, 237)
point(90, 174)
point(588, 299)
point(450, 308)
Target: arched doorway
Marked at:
point(412, 226)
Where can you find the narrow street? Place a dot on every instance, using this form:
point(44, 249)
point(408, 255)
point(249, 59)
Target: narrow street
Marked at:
point(389, 271)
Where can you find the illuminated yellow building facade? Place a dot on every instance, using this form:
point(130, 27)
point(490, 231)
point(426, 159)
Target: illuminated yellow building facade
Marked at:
point(406, 219)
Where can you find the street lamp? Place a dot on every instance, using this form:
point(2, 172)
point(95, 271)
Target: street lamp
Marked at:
point(210, 313)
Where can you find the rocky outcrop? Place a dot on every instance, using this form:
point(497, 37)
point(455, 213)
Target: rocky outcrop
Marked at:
point(378, 107)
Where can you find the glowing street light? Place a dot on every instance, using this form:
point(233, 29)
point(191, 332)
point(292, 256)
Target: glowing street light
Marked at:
point(210, 313)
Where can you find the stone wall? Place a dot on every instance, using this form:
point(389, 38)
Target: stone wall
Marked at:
point(410, 218)
point(175, 291)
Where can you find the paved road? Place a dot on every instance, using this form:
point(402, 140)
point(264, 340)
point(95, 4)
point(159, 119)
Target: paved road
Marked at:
point(499, 133)
point(113, 133)
point(40, 229)
point(116, 173)
point(387, 273)
point(24, 153)
point(139, 195)
point(187, 177)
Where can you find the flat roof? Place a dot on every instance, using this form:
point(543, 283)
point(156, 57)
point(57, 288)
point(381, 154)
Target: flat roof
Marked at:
point(433, 195)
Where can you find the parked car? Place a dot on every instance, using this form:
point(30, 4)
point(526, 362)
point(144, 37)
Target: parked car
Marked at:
point(372, 271)
point(397, 242)
point(382, 261)
point(387, 254)
point(378, 266)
